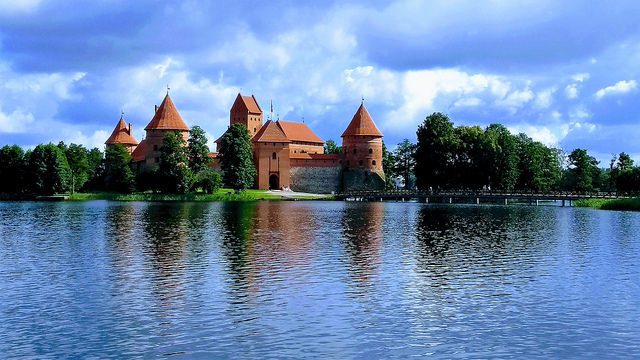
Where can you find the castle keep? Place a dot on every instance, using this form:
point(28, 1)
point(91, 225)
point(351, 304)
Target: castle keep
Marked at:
point(286, 154)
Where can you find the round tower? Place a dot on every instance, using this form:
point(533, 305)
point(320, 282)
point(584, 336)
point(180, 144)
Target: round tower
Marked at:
point(362, 143)
point(122, 135)
point(165, 120)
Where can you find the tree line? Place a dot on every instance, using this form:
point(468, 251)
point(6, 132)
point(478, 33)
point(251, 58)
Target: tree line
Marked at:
point(491, 158)
point(53, 169)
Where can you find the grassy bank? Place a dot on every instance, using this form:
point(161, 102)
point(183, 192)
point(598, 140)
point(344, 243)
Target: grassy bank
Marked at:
point(220, 195)
point(610, 204)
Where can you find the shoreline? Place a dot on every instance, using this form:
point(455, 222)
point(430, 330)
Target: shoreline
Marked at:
point(222, 195)
point(610, 204)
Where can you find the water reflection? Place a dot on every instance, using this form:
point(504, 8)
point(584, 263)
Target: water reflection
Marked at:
point(362, 239)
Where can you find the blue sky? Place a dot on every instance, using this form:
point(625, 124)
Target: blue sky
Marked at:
point(564, 72)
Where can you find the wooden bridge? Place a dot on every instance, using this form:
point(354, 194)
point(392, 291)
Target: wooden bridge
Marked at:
point(476, 196)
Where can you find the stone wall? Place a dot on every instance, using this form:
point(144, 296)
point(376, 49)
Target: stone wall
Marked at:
point(319, 180)
point(362, 180)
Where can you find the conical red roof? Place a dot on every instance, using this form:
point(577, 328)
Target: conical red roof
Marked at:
point(362, 124)
point(121, 135)
point(167, 117)
point(270, 132)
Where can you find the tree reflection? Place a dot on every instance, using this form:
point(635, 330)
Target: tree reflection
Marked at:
point(362, 232)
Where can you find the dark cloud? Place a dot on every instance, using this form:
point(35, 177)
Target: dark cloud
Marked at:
point(567, 31)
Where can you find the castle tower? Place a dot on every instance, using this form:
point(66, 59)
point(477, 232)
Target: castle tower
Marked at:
point(271, 157)
point(165, 120)
point(122, 135)
point(246, 111)
point(362, 143)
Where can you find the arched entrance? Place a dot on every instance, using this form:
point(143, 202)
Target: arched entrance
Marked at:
point(273, 182)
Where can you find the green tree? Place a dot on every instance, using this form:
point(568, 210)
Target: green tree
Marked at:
point(95, 170)
point(117, 173)
point(624, 162)
point(236, 158)
point(503, 164)
point(472, 157)
point(197, 149)
point(434, 151)
point(48, 170)
point(540, 167)
point(208, 180)
point(79, 165)
point(388, 166)
point(174, 173)
point(330, 147)
point(405, 161)
point(583, 169)
point(12, 169)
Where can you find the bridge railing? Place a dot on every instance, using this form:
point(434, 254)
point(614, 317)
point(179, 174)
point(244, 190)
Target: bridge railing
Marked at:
point(487, 193)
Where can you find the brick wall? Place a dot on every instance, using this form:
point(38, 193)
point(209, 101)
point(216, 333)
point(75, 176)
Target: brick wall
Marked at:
point(320, 180)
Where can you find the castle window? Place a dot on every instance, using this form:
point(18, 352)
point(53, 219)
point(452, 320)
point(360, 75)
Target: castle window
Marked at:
point(347, 162)
point(373, 162)
point(295, 151)
point(157, 160)
point(370, 151)
point(273, 156)
point(254, 129)
point(155, 147)
point(355, 150)
point(345, 149)
point(360, 162)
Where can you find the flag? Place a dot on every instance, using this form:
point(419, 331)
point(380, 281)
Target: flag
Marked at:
point(271, 105)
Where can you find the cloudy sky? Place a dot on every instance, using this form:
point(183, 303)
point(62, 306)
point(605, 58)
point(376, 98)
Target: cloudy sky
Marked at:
point(564, 72)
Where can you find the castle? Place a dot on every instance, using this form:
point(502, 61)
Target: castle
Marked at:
point(286, 154)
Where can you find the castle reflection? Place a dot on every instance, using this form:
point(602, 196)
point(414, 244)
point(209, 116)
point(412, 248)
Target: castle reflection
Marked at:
point(362, 237)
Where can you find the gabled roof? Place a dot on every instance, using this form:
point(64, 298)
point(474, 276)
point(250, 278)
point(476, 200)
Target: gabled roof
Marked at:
point(299, 132)
point(140, 152)
point(121, 135)
point(362, 124)
point(249, 102)
point(270, 132)
point(167, 117)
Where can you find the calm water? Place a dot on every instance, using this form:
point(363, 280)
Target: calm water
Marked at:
point(317, 280)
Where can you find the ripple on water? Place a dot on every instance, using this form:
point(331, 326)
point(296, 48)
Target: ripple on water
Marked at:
point(317, 279)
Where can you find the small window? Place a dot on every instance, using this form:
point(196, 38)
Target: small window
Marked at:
point(347, 162)
point(157, 160)
point(360, 162)
point(155, 147)
point(370, 151)
point(355, 150)
point(295, 151)
point(273, 156)
point(254, 129)
point(373, 163)
point(345, 150)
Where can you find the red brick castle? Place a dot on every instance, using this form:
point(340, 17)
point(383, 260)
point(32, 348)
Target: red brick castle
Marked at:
point(286, 154)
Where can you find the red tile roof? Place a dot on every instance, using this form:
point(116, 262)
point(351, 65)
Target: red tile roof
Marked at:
point(270, 132)
point(299, 132)
point(167, 117)
point(249, 102)
point(362, 124)
point(121, 135)
point(140, 152)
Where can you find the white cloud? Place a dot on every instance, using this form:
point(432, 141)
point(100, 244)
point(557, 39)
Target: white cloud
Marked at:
point(471, 101)
point(571, 91)
point(621, 87)
point(16, 122)
point(18, 6)
point(582, 77)
point(544, 99)
point(96, 139)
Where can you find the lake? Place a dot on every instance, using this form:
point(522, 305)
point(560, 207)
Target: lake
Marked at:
point(276, 279)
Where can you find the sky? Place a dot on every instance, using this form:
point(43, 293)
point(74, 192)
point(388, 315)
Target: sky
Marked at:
point(565, 73)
